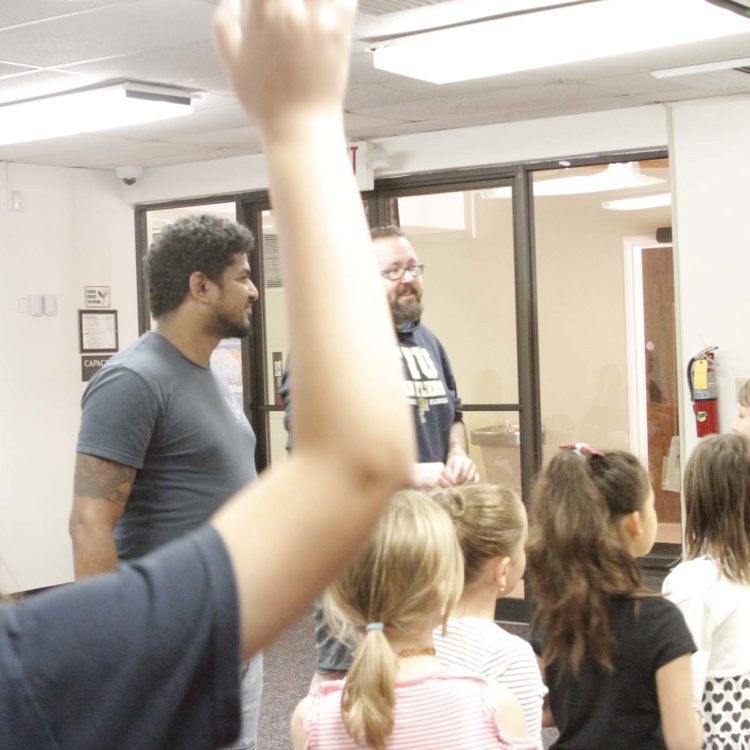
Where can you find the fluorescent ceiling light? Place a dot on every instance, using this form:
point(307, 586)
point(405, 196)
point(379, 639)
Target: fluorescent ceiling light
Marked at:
point(88, 110)
point(639, 203)
point(555, 36)
point(711, 67)
point(621, 176)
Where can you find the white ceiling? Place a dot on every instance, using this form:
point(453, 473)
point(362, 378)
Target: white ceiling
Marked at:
point(52, 45)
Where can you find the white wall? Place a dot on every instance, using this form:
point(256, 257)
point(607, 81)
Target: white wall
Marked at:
point(74, 230)
point(711, 167)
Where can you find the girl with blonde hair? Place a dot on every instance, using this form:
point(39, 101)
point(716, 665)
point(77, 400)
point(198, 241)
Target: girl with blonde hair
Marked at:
point(616, 656)
point(712, 585)
point(490, 521)
point(396, 694)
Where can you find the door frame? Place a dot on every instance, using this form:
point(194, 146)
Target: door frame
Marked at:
point(663, 554)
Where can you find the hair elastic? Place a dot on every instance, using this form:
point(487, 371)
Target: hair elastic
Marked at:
point(582, 449)
point(375, 626)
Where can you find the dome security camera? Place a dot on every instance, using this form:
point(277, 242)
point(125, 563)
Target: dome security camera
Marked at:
point(129, 175)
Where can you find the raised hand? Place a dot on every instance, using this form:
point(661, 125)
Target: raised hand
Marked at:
point(287, 59)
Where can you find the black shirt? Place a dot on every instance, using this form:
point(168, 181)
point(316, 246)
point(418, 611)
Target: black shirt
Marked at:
point(619, 709)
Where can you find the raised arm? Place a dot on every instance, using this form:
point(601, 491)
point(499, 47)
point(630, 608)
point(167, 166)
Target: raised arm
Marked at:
point(289, 534)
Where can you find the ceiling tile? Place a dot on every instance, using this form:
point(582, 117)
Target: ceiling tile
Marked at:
point(9, 69)
point(175, 65)
point(51, 45)
point(13, 12)
point(118, 29)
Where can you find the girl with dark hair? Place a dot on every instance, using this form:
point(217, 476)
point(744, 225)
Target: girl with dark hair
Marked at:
point(616, 656)
point(396, 694)
point(490, 521)
point(712, 585)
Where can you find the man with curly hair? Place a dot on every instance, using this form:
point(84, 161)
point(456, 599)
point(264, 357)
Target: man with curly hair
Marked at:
point(162, 442)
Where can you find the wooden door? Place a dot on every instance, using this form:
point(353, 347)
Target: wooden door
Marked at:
point(661, 373)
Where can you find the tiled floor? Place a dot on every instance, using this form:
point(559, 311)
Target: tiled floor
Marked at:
point(289, 665)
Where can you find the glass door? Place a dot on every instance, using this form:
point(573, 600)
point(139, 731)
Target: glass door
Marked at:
point(606, 319)
point(465, 239)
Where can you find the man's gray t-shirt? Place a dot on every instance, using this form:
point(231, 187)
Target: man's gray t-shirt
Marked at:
point(178, 424)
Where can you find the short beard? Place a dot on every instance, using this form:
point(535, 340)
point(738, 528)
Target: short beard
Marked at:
point(404, 313)
point(230, 329)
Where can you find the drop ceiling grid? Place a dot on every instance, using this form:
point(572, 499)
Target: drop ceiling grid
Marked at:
point(191, 64)
point(114, 30)
point(14, 12)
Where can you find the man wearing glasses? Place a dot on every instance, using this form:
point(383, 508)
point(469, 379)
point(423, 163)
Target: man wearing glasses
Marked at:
point(429, 383)
point(430, 390)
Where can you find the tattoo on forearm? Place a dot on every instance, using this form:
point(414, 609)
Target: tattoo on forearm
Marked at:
point(97, 477)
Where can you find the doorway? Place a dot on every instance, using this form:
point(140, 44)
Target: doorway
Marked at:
point(653, 377)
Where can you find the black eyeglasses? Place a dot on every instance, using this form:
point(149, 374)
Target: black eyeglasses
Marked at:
point(397, 273)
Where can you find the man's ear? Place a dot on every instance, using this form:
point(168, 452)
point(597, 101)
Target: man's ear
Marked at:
point(198, 284)
point(501, 565)
point(632, 525)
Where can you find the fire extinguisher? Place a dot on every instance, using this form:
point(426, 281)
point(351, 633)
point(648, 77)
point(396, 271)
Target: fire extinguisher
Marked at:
point(704, 392)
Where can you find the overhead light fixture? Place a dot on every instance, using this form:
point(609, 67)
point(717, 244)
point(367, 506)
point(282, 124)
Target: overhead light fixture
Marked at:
point(619, 176)
point(710, 67)
point(737, 6)
point(91, 109)
point(554, 36)
point(639, 203)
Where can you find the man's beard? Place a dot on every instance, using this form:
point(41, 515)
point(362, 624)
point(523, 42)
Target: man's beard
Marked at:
point(226, 328)
point(403, 312)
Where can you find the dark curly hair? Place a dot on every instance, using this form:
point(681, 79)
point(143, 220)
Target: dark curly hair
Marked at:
point(576, 557)
point(202, 243)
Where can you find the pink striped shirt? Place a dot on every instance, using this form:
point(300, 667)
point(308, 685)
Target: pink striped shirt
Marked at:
point(444, 711)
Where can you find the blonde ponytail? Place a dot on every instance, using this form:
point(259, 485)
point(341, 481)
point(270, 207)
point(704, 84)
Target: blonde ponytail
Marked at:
point(369, 698)
point(411, 572)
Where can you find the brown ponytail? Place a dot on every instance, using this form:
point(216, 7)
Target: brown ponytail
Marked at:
point(575, 554)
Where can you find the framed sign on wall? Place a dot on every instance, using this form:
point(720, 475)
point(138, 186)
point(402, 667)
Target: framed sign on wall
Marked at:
point(97, 331)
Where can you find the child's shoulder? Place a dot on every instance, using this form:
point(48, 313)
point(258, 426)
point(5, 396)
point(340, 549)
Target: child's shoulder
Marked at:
point(485, 634)
point(641, 617)
point(691, 577)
